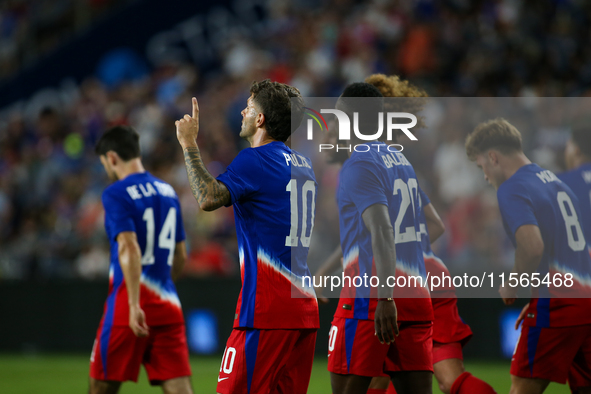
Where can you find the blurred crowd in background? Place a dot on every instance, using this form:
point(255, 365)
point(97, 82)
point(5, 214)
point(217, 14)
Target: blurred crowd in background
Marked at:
point(31, 29)
point(51, 215)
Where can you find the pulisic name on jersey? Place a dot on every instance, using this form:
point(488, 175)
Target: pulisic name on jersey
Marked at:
point(141, 190)
point(296, 160)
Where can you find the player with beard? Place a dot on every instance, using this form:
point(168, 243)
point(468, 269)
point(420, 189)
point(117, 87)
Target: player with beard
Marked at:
point(273, 191)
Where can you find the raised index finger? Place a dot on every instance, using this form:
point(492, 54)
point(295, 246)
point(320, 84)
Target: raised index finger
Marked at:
point(195, 108)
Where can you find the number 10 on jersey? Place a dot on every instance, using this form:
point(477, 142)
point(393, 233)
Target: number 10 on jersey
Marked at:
point(307, 195)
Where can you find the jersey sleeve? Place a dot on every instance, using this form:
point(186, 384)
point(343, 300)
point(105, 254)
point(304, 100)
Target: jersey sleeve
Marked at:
point(363, 185)
point(424, 199)
point(117, 212)
point(180, 228)
point(516, 207)
point(243, 175)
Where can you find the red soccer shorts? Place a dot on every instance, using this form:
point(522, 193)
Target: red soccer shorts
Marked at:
point(579, 375)
point(445, 351)
point(117, 354)
point(549, 353)
point(354, 349)
point(267, 361)
point(448, 326)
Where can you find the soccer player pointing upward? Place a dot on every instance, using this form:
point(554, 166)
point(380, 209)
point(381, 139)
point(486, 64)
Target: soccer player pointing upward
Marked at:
point(273, 191)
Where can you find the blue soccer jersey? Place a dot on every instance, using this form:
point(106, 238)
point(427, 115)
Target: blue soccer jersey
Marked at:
point(536, 196)
point(425, 243)
point(273, 191)
point(143, 204)
point(579, 180)
point(381, 177)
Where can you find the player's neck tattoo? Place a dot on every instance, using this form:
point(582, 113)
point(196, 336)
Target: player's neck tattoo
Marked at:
point(208, 191)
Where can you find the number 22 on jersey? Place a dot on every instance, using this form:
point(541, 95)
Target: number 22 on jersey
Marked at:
point(409, 193)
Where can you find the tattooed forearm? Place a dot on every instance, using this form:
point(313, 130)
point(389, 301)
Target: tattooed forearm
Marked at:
point(209, 193)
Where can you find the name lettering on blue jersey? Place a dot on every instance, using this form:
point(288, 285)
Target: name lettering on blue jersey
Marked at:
point(133, 192)
point(547, 176)
point(164, 189)
point(147, 190)
point(395, 159)
point(587, 176)
point(296, 160)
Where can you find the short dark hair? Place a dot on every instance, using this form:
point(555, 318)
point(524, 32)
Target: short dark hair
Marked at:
point(361, 89)
point(368, 109)
point(123, 140)
point(581, 136)
point(278, 102)
point(495, 134)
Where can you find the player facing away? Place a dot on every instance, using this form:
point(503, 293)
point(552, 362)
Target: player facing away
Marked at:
point(577, 156)
point(450, 333)
point(542, 218)
point(273, 191)
point(372, 331)
point(142, 321)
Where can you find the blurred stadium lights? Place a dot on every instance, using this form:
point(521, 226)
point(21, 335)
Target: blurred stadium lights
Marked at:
point(509, 335)
point(202, 331)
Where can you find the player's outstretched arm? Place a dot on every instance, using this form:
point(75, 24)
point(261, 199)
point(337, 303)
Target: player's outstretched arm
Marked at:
point(130, 259)
point(435, 226)
point(208, 191)
point(178, 261)
point(377, 220)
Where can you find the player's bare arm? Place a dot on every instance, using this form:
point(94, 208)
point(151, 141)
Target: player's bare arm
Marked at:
point(130, 259)
point(208, 191)
point(528, 254)
point(377, 220)
point(435, 226)
point(529, 249)
point(333, 262)
point(178, 261)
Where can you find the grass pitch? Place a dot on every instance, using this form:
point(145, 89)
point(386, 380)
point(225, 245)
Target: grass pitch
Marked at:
point(65, 374)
